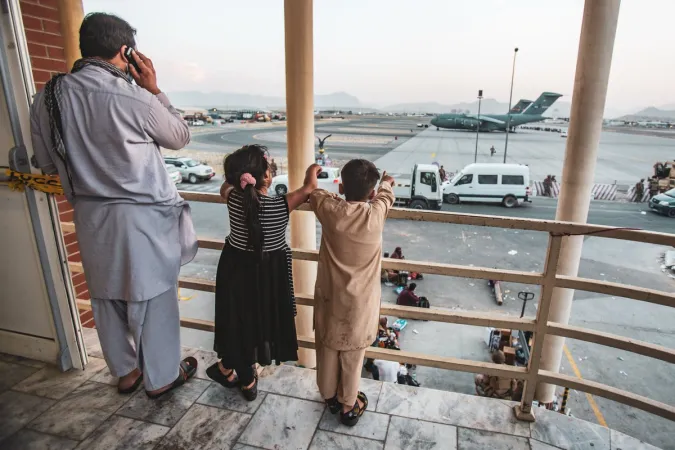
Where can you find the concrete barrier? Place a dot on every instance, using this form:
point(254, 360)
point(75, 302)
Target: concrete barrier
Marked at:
point(600, 191)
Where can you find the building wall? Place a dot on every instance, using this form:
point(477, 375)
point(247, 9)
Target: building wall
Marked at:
point(45, 47)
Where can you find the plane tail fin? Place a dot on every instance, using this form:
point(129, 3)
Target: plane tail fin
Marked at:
point(540, 105)
point(521, 106)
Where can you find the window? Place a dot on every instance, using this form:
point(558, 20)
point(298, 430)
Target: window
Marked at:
point(513, 179)
point(466, 179)
point(323, 175)
point(487, 179)
point(429, 178)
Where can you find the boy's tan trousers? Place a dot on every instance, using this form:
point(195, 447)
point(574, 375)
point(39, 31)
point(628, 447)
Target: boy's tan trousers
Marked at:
point(339, 372)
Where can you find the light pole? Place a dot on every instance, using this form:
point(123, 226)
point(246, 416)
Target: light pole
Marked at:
point(508, 119)
point(480, 97)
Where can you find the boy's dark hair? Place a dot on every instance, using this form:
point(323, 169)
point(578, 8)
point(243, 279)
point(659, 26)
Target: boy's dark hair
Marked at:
point(250, 159)
point(102, 35)
point(412, 286)
point(359, 178)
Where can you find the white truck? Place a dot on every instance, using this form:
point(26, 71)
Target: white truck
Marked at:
point(421, 189)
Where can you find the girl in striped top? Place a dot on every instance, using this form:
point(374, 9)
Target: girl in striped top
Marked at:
point(255, 304)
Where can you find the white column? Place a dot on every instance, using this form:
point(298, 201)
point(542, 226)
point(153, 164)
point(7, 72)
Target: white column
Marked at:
point(298, 22)
point(588, 103)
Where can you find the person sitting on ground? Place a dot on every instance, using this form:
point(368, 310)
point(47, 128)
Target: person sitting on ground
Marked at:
point(388, 275)
point(384, 370)
point(494, 386)
point(397, 254)
point(407, 297)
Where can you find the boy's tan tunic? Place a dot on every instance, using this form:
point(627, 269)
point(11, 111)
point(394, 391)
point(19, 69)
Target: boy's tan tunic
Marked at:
point(348, 291)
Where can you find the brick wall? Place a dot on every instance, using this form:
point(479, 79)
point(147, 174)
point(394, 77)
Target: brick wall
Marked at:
point(45, 47)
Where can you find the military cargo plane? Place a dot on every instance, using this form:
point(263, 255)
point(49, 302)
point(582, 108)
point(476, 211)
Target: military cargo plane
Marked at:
point(525, 111)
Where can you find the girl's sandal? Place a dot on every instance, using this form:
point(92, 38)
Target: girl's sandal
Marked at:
point(219, 377)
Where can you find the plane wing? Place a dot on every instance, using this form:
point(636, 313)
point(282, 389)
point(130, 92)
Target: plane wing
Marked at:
point(486, 118)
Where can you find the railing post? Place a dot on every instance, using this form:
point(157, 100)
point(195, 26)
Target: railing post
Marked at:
point(298, 24)
point(594, 59)
point(71, 14)
point(524, 410)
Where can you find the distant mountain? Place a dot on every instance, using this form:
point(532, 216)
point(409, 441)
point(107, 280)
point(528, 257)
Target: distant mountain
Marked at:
point(231, 100)
point(651, 113)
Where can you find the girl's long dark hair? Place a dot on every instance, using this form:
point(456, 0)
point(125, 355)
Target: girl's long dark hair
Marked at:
point(249, 159)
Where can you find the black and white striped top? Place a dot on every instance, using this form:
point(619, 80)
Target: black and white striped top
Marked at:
point(273, 219)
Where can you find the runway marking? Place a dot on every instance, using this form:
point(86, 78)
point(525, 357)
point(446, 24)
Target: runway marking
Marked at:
point(589, 397)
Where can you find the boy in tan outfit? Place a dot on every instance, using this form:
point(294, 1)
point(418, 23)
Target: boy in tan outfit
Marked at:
point(347, 292)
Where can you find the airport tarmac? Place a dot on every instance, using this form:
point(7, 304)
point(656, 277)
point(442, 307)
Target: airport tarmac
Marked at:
point(622, 158)
point(627, 156)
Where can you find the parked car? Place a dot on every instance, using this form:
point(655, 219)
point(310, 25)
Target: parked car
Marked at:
point(507, 184)
point(191, 170)
point(174, 173)
point(329, 179)
point(664, 203)
point(198, 123)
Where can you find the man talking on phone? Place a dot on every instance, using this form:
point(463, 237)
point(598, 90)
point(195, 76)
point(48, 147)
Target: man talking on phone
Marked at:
point(102, 134)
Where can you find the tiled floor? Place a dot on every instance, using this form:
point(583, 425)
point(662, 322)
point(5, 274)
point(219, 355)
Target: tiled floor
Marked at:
point(41, 408)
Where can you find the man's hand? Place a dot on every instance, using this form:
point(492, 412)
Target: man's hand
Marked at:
point(311, 180)
point(147, 79)
point(386, 178)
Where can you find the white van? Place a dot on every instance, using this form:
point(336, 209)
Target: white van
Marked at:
point(508, 184)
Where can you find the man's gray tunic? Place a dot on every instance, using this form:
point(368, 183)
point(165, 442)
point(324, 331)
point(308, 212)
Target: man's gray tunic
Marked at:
point(133, 228)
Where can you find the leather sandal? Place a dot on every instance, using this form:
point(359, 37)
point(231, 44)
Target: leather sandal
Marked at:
point(131, 389)
point(219, 377)
point(333, 405)
point(187, 370)
point(352, 417)
point(251, 393)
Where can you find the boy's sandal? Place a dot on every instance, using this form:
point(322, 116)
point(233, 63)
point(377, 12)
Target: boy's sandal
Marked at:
point(333, 405)
point(352, 417)
point(131, 389)
point(187, 369)
point(219, 377)
point(251, 393)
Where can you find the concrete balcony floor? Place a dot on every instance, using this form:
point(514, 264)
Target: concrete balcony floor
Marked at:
point(41, 408)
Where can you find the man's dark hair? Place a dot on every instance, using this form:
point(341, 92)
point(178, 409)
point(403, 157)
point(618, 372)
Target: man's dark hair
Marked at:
point(412, 286)
point(102, 35)
point(359, 178)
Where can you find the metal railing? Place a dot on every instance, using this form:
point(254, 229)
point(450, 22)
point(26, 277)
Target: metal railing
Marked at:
point(548, 280)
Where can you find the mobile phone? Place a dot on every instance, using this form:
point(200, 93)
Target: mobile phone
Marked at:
point(128, 55)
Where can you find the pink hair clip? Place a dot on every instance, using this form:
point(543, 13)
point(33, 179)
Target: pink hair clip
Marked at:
point(246, 179)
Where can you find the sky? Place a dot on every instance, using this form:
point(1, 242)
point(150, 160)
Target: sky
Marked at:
point(403, 51)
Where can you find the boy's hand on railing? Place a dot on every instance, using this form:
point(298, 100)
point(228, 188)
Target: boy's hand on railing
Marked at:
point(311, 177)
point(387, 178)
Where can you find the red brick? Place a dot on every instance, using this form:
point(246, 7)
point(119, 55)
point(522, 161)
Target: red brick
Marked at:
point(80, 289)
point(50, 26)
point(53, 65)
point(40, 37)
point(55, 53)
point(75, 257)
point(66, 216)
point(78, 278)
point(64, 207)
point(69, 238)
point(43, 12)
point(49, 3)
point(37, 50)
point(39, 86)
point(60, 198)
point(40, 76)
point(32, 23)
point(85, 296)
point(72, 248)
